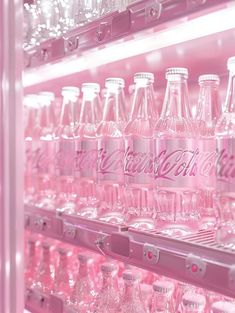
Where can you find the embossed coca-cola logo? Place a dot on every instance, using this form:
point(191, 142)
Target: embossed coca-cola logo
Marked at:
point(225, 166)
point(42, 159)
point(86, 160)
point(110, 161)
point(138, 162)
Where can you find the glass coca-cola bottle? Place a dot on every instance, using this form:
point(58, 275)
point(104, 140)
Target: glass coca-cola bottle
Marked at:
point(107, 300)
point(66, 153)
point(132, 301)
point(139, 154)
point(87, 150)
point(111, 151)
point(225, 166)
point(31, 109)
point(63, 275)
point(208, 111)
point(176, 156)
point(44, 165)
point(163, 300)
point(84, 291)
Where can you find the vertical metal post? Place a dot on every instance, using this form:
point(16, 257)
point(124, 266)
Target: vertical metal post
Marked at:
point(11, 158)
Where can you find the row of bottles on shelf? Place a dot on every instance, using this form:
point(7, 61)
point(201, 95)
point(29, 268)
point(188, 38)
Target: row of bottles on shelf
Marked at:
point(173, 172)
point(44, 19)
point(89, 283)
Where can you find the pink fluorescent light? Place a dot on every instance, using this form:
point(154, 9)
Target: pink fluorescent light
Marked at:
point(144, 42)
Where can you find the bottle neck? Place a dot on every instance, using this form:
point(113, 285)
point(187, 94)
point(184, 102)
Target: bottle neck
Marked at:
point(90, 109)
point(176, 102)
point(131, 291)
point(47, 119)
point(208, 105)
point(230, 98)
point(143, 103)
point(114, 107)
point(68, 113)
point(63, 261)
point(46, 256)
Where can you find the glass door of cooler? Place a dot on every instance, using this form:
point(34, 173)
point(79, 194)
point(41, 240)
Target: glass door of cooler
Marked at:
point(76, 52)
point(11, 159)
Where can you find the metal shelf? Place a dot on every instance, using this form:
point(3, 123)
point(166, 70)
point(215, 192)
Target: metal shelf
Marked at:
point(196, 259)
point(146, 25)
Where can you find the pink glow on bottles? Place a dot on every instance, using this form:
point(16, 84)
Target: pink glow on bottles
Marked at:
point(139, 151)
point(63, 274)
point(132, 301)
point(163, 297)
point(84, 291)
point(66, 152)
point(176, 151)
point(45, 272)
point(107, 300)
point(225, 140)
point(87, 150)
point(111, 148)
point(45, 153)
point(30, 126)
point(207, 113)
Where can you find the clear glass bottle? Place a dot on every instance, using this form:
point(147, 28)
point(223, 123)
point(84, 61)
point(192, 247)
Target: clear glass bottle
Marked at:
point(176, 155)
point(44, 165)
point(225, 165)
point(63, 275)
point(162, 301)
point(30, 126)
point(66, 153)
point(132, 301)
point(31, 261)
point(107, 300)
point(139, 151)
point(45, 272)
point(111, 148)
point(84, 290)
point(207, 113)
point(87, 150)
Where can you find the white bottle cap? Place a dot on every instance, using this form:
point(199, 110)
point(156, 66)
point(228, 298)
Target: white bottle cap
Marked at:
point(70, 90)
point(45, 98)
point(210, 77)
point(108, 267)
point(91, 86)
point(223, 307)
point(119, 82)
point(83, 257)
point(231, 63)
point(182, 71)
point(193, 300)
point(31, 101)
point(144, 76)
point(131, 276)
point(163, 286)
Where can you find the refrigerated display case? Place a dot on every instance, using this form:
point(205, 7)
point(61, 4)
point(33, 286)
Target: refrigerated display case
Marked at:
point(147, 36)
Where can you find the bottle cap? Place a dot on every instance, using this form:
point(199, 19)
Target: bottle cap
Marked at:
point(223, 307)
point(210, 77)
point(182, 71)
point(31, 101)
point(163, 286)
point(47, 94)
point(131, 276)
point(83, 257)
point(63, 251)
point(70, 90)
point(91, 86)
point(193, 300)
point(119, 82)
point(108, 267)
point(144, 76)
point(231, 63)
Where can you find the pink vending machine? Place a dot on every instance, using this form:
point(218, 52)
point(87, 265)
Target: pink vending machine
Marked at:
point(117, 156)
